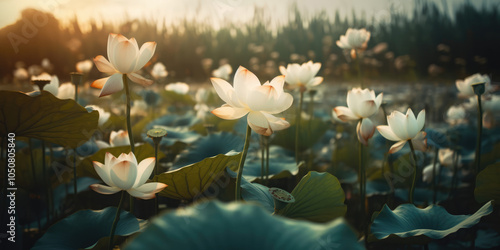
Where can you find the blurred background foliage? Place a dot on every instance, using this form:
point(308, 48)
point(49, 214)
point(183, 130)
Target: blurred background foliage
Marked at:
point(427, 44)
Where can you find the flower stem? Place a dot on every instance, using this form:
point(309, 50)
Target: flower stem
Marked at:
point(242, 163)
point(412, 188)
point(157, 144)
point(129, 129)
point(266, 142)
point(46, 183)
point(75, 186)
point(434, 177)
point(479, 135)
point(115, 222)
point(362, 190)
point(262, 157)
point(358, 66)
point(297, 125)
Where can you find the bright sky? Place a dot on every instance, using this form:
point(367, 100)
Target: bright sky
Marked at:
point(218, 11)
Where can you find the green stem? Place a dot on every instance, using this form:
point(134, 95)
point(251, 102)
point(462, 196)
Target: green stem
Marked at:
point(266, 142)
point(129, 129)
point(358, 65)
point(479, 135)
point(242, 163)
point(75, 187)
point(362, 188)
point(262, 157)
point(115, 222)
point(434, 184)
point(156, 173)
point(297, 125)
point(412, 188)
point(46, 183)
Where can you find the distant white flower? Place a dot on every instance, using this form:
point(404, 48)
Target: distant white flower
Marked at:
point(456, 115)
point(302, 76)
point(492, 103)
point(139, 108)
point(159, 71)
point(427, 173)
point(103, 115)
point(46, 64)
point(178, 87)
point(223, 72)
point(84, 67)
point(465, 86)
point(21, 74)
point(119, 138)
point(66, 91)
point(445, 156)
point(354, 39)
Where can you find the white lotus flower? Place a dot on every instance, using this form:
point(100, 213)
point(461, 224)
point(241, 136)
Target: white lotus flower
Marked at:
point(446, 155)
point(103, 115)
point(84, 67)
point(403, 128)
point(119, 138)
point(302, 76)
point(361, 104)
point(125, 58)
point(21, 74)
point(465, 86)
point(223, 72)
point(354, 39)
point(159, 71)
point(456, 115)
point(180, 88)
point(66, 91)
point(427, 172)
point(260, 102)
point(124, 173)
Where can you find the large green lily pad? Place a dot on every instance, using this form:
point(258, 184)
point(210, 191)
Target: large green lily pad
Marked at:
point(190, 181)
point(46, 117)
point(318, 197)
point(487, 184)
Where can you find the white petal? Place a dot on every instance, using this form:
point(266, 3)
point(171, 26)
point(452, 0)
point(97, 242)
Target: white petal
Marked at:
point(398, 123)
point(104, 65)
point(365, 130)
point(276, 123)
point(258, 122)
point(262, 98)
point(229, 113)
point(225, 92)
point(147, 191)
point(104, 189)
point(278, 83)
point(123, 174)
point(345, 114)
point(145, 53)
point(126, 54)
point(103, 172)
point(412, 126)
point(397, 146)
point(139, 79)
point(386, 132)
point(244, 82)
point(283, 103)
point(421, 120)
point(420, 142)
point(99, 83)
point(144, 170)
point(315, 81)
point(283, 70)
point(113, 84)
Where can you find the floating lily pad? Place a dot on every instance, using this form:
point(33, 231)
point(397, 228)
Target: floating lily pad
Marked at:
point(174, 134)
point(216, 225)
point(208, 146)
point(86, 168)
point(487, 184)
point(190, 181)
point(318, 197)
point(86, 228)
point(433, 221)
point(46, 117)
point(173, 120)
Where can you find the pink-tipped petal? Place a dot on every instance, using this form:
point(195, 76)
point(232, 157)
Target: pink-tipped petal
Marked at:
point(283, 70)
point(345, 114)
point(123, 174)
point(276, 123)
point(99, 83)
point(397, 146)
point(151, 188)
point(258, 122)
point(315, 81)
point(104, 189)
point(125, 56)
point(113, 84)
point(229, 113)
point(244, 82)
point(225, 92)
point(139, 79)
point(104, 65)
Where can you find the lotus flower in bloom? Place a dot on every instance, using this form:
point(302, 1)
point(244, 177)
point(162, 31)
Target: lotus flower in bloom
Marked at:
point(84, 67)
point(302, 76)
point(119, 138)
point(180, 88)
point(361, 104)
point(123, 173)
point(125, 58)
point(260, 102)
point(465, 86)
point(354, 39)
point(403, 128)
point(159, 71)
point(223, 72)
